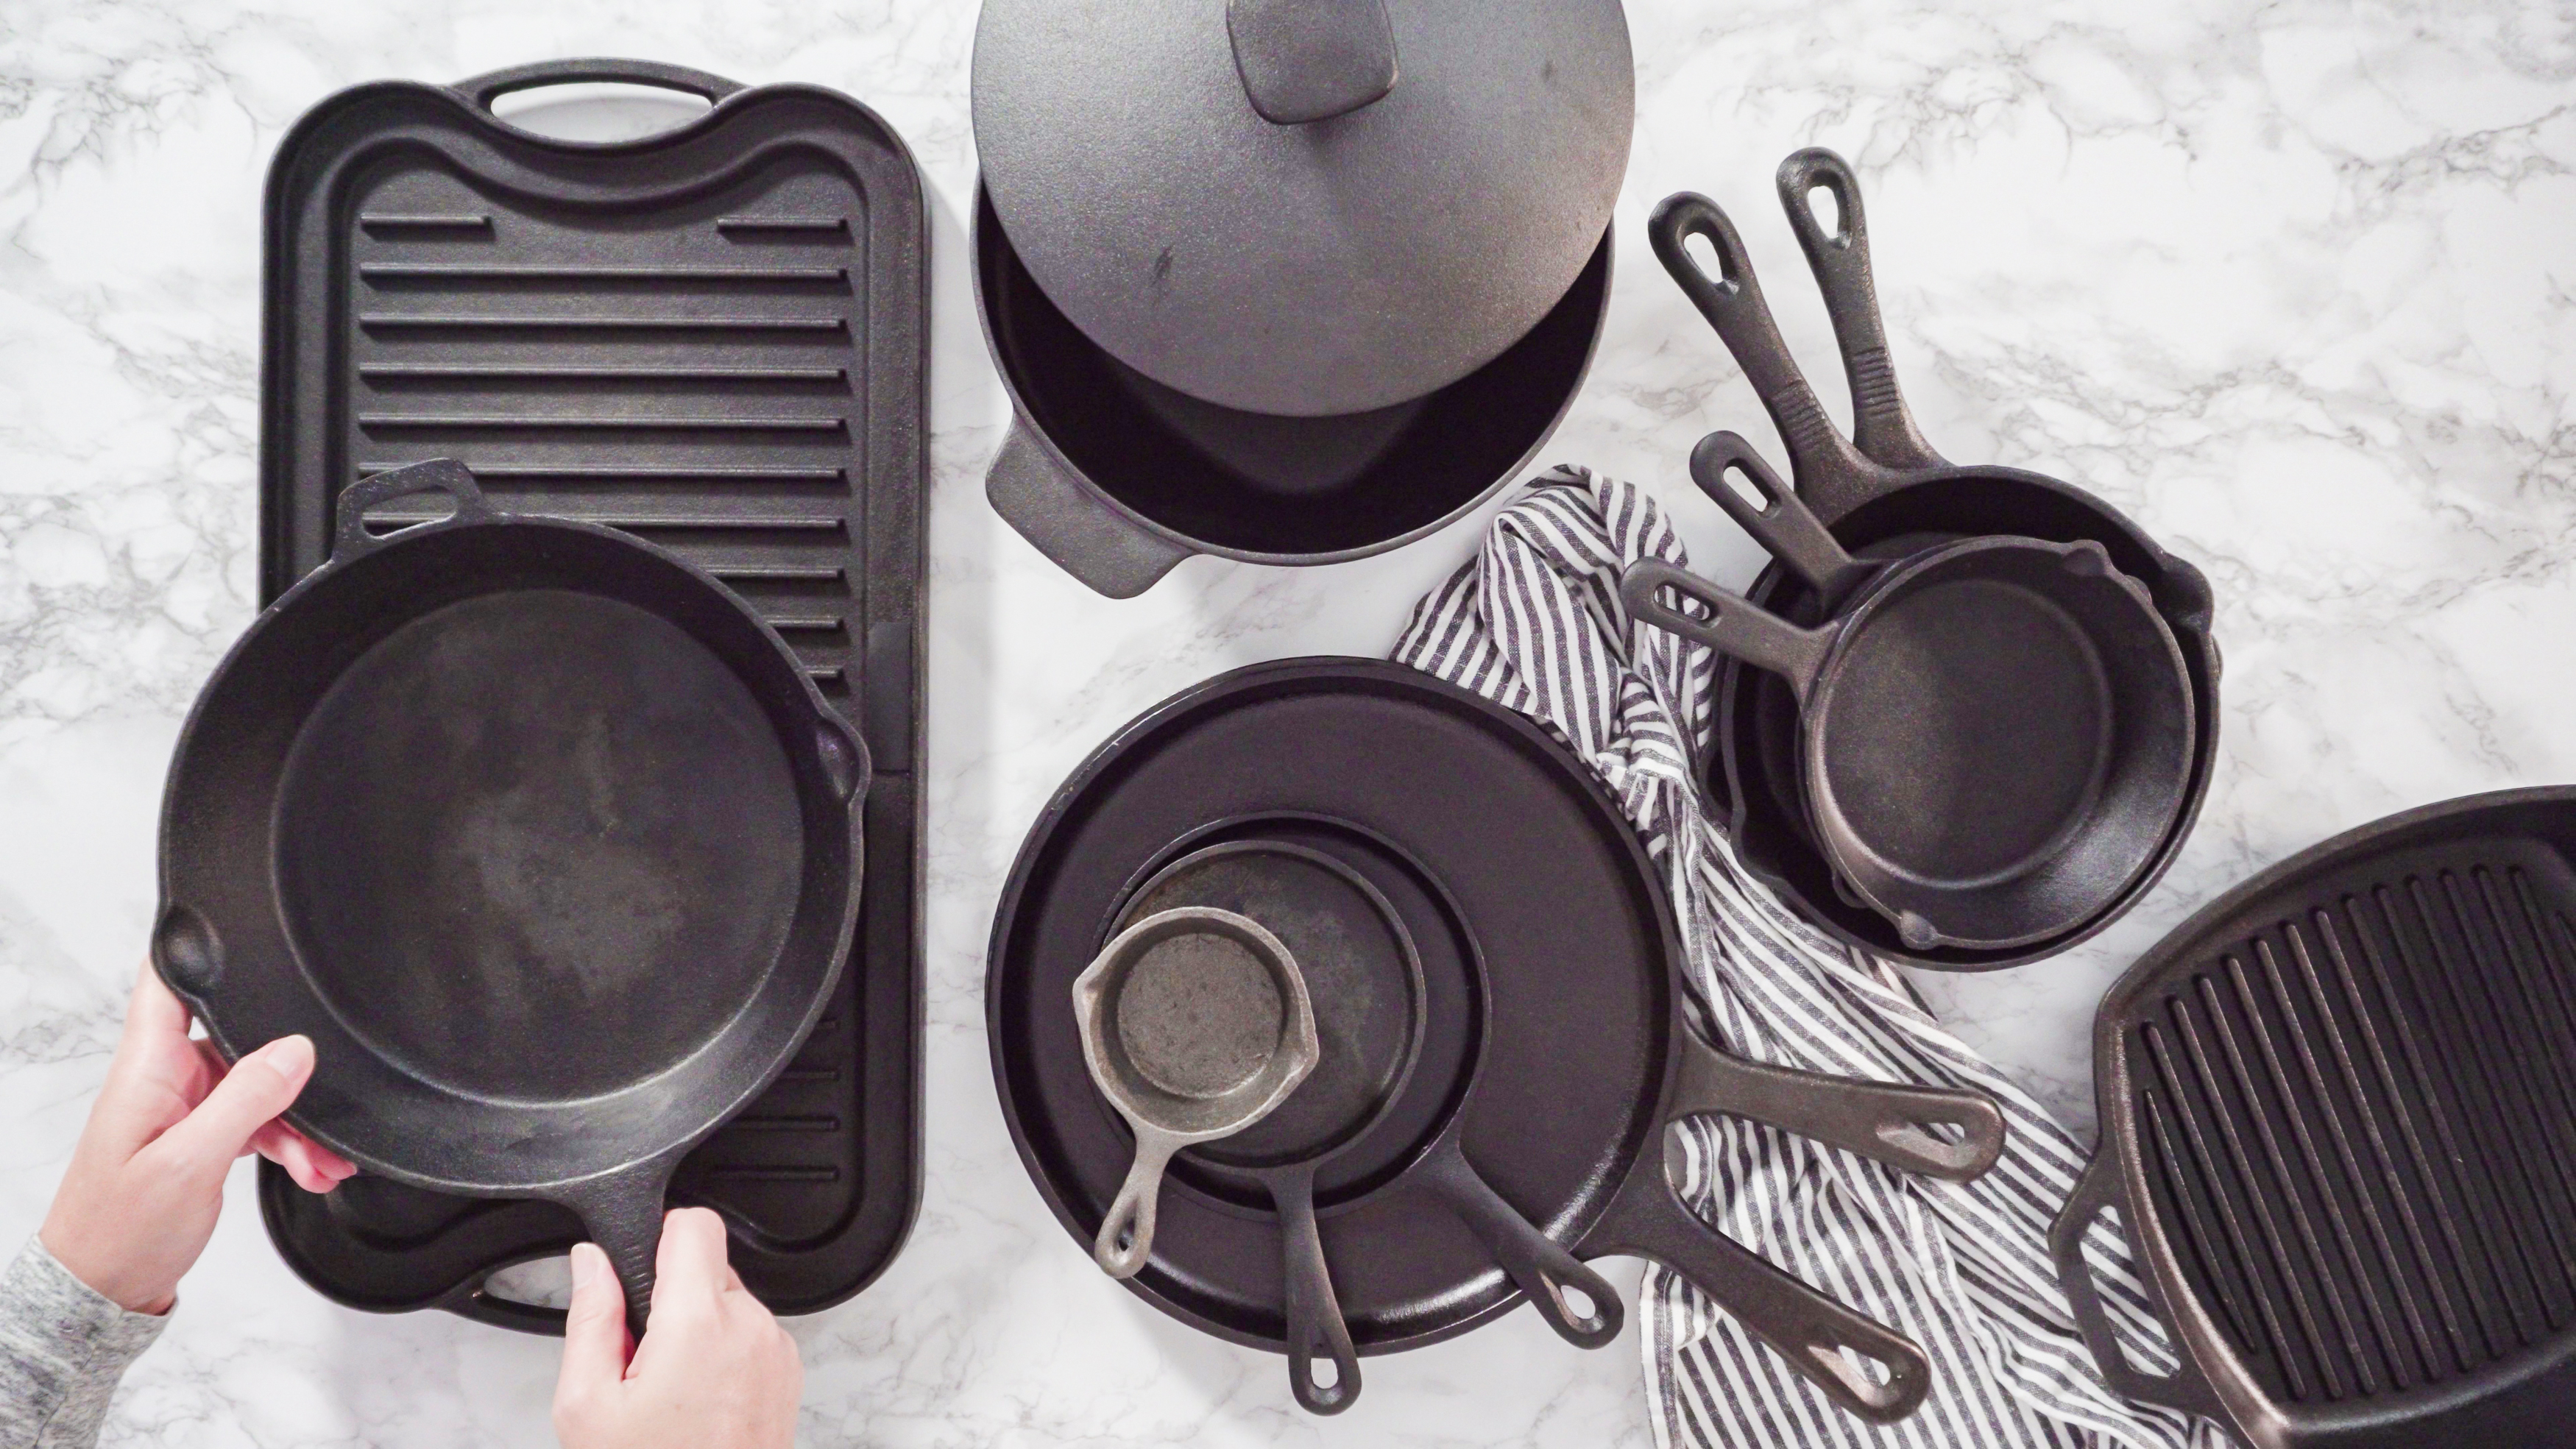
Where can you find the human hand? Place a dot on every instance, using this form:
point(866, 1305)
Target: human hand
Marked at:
point(147, 1179)
point(715, 1371)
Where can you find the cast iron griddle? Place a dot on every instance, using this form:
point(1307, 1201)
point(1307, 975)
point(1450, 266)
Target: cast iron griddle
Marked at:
point(713, 338)
point(2339, 1115)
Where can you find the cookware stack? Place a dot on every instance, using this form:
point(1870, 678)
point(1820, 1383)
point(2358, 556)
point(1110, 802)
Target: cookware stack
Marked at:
point(1967, 716)
point(703, 348)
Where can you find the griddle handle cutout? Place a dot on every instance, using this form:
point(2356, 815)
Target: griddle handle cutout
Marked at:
point(1127, 1230)
point(1832, 475)
point(2186, 1389)
point(622, 1212)
point(1063, 517)
point(1314, 1313)
point(1884, 1121)
point(1781, 523)
point(350, 538)
point(483, 90)
point(1818, 1336)
point(1734, 625)
point(1539, 1266)
point(1881, 423)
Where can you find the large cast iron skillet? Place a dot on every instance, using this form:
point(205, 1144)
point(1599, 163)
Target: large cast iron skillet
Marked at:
point(537, 832)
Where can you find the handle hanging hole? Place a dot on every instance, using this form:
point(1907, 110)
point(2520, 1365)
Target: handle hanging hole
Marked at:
point(1827, 209)
point(1688, 606)
point(1739, 481)
point(1578, 1305)
point(1877, 1373)
point(1323, 1373)
point(1702, 252)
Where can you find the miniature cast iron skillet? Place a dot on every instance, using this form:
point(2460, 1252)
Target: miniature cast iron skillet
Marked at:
point(540, 835)
point(1996, 732)
point(2336, 1125)
point(1891, 498)
point(1555, 1051)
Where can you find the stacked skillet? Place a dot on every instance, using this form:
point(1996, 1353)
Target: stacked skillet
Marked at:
point(1968, 715)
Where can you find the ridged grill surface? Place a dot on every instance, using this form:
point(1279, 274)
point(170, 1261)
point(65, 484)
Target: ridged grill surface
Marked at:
point(701, 391)
point(2358, 1122)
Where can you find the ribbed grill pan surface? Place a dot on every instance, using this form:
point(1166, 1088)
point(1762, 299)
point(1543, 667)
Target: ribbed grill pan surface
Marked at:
point(2344, 1099)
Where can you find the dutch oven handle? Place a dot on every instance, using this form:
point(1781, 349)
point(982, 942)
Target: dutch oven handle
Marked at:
point(439, 475)
point(1063, 516)
point(2186, 1389)
point(1832, 475)
point(1881, 423)
point(483, 90)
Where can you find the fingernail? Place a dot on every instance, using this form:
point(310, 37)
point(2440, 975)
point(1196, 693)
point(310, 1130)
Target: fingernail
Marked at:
point(288, 1056)
point(587, 1263)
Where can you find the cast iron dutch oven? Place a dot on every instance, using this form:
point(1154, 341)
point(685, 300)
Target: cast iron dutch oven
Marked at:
point(540, 835)
point(1283, 280)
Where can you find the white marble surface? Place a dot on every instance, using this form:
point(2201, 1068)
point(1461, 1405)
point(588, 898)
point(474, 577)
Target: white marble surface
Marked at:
point(2291, 282)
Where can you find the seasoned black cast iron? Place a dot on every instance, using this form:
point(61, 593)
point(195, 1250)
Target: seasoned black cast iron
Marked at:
point(1996, 731)
point(1118, 478)
point(1542, 940)
point(540, 835)
point(1890, 497)
point(2339, 1124)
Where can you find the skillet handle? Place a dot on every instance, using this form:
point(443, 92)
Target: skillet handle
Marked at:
point(2186, 1389)
point(1832, 475)
point(1314, 1312)
point(484, 89)
point(1126, 1238)
point(1881, 423)
point(1538, 1265)
point(622, 1212)
point(350, 538)
point(1781, 522)
point(1817, 1335)
point(1734, 626)
point(1884, 1121)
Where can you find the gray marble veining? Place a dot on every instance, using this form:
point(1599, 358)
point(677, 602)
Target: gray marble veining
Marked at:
point(2290, 282)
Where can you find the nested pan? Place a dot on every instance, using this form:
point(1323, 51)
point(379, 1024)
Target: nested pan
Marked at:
point(1996, 732)
point(1529, 1132)
point(1890, 497)
point(537, 831)
point(2337, 1129)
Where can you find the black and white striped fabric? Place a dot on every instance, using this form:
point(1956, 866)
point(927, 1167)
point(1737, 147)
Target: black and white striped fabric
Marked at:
point(1535, 623)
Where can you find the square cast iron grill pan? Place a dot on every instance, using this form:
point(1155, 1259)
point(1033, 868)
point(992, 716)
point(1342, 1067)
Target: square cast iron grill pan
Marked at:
point(2339, 1115)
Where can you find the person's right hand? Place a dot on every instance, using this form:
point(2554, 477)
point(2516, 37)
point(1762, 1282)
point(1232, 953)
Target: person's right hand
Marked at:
point(715, 1371)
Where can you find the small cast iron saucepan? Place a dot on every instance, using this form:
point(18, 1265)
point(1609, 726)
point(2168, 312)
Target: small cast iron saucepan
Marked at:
point(1195, 1024)
point(537, 831)
point(1996, 732)
point(1892, 496)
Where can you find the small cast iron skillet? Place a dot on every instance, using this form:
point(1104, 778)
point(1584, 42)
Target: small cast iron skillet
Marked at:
point(539, 834)
point(1891, 497)
point(1995, 732)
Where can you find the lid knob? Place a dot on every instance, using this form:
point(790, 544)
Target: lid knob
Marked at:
point(1311, 60)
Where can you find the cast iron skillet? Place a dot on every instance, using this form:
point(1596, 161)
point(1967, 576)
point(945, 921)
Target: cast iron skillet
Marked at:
point(1555, 1051)
point(537, 831)
point(1890, 498)
point(2336, 1125)
point(1995, 732)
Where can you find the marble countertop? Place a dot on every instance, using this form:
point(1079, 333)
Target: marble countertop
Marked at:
point(2289, 282)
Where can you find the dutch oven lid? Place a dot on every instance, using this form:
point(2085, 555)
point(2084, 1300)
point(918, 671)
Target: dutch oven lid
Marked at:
point(1303, 206)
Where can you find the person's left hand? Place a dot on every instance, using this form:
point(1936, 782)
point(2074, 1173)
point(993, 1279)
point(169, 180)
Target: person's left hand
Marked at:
point(147, 1179)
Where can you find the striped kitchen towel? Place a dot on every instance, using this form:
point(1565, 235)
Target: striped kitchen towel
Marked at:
point(1534, 622)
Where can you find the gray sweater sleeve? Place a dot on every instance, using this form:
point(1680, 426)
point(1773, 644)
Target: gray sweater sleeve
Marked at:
point(63, 1346)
